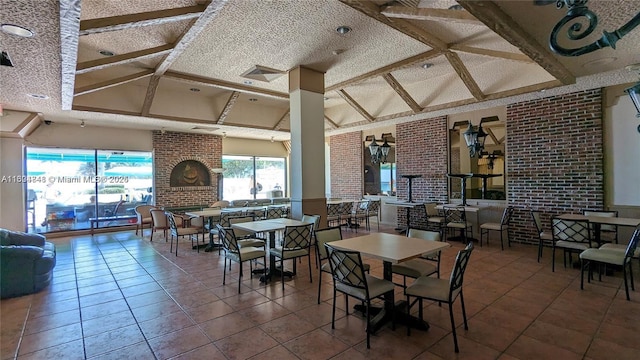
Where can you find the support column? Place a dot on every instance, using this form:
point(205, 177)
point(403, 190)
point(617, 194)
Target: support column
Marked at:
point(306, 102)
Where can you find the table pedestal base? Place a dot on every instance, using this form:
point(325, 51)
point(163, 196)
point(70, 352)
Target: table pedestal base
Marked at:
point(381, 316)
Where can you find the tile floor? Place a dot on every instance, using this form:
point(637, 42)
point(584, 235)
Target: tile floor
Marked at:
point(119, 296)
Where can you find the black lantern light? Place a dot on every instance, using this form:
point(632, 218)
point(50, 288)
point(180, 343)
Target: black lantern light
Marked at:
point(475, 139)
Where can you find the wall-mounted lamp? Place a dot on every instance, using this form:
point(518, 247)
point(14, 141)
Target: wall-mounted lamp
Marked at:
point(577, 9)
point(379, 153)
point(475, 139)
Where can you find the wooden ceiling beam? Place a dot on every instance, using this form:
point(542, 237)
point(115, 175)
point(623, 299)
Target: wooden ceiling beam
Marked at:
point(281, 121)
point(212, 10)
point(429, 14)
point(69, 25)
point(372, 10)
point(502, 24)
point(493, 136)
point(355, 105)
point(332, 123)
point(386, 69)
point(226, 85)
point(113, 23)
point(228, 106)
point(98, 64)
point(464, 74)
point(391, 80)
point(112, 82)
point(151, 94)
point(492, 53)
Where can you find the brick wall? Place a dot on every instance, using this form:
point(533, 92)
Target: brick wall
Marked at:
point(554, 158)
point(170, 149)
point(421, 149)
point(347, 169)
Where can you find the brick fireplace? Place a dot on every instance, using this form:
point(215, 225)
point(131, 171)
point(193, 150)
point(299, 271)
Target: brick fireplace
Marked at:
point(190, 158)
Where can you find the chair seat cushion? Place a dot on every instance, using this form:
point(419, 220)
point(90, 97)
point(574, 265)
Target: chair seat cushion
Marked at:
point(459, 225)
point(492, 226)
point(572, 245)
point(247, 253)
point(376, 286)
point(146, 220)
point(187, 231)
point(620, 247)
point(414, 268)
point(251, 243)
point(435, 219)
point(431, 288)
point(288, 254)
point(603, 255)
point(546, 236)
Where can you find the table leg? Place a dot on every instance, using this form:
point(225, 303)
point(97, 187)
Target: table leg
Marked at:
point(212, 246)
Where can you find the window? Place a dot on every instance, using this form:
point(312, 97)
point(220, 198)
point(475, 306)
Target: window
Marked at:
point(251, 177)
point(69, 189)
point(388, 179)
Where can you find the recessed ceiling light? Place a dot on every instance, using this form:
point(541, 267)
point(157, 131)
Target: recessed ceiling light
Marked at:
point(326, 98)
point(194, 89)
point(456, 7)
point(338, 51)
point(343, 30)
point(253, 99)
point(426, 65)
point(38, 96)
point(16, 30)
point(106, 52)
point(248, 82)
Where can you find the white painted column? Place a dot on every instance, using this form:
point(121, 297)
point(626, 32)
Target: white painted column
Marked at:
point(306, 101)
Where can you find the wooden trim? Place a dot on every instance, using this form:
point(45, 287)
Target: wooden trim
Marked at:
point(151, 94)
point(226, 85)
point(112, 82)
point(403, 12)
point(103, 110)
point(464, 74)
point(402, 92)
point(386, 69)
point(69, 24)
point(281, 121)
point(98, 64)
point(502, 24)
point(331, 122)
point(355, 105)
point(113, 23)
point(228, 106)
point(492, 53)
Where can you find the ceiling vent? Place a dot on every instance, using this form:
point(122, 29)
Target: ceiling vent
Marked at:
point(262, 73)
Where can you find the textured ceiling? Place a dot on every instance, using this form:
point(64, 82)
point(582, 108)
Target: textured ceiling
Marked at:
point(178, 64)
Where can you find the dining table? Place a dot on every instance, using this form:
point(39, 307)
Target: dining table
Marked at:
point(391, 249)
point(407, 205)
point(598, 221)
point(270, 226)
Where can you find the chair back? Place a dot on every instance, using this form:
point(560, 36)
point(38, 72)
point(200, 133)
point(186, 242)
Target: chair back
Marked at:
point(347, 268)
point(633, 244)
point(602, 213)
point(297, 237)
point(571, 230)
point(506, 215)
point(346, 208)
point(229, 240)
point(324, 236)
point(143, 211)
point(457, 275)
point(275, 212)
point(241, 219)
point(537, 221)
point(315, 219)
point(225, 215)
point(430, 209)
point(220, 204)
point(424, 234)
point(455, 214)
point(333, 210)
point(374, 207)
point(159, 219)
point(360, 207)
point(173, 226)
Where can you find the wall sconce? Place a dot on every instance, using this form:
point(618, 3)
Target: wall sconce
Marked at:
point(475, 139)
point(379, 153)
point(634, 94)
point(578, 9)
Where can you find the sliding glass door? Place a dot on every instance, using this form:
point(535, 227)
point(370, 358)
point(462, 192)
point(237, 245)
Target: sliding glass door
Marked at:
point(69, 189)
point(250, 177)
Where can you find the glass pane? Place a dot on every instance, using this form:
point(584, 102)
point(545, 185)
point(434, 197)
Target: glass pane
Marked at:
point(62, 190)
point(270, 175)
point(124, 181)
point(388, 179)
point(237, 177)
